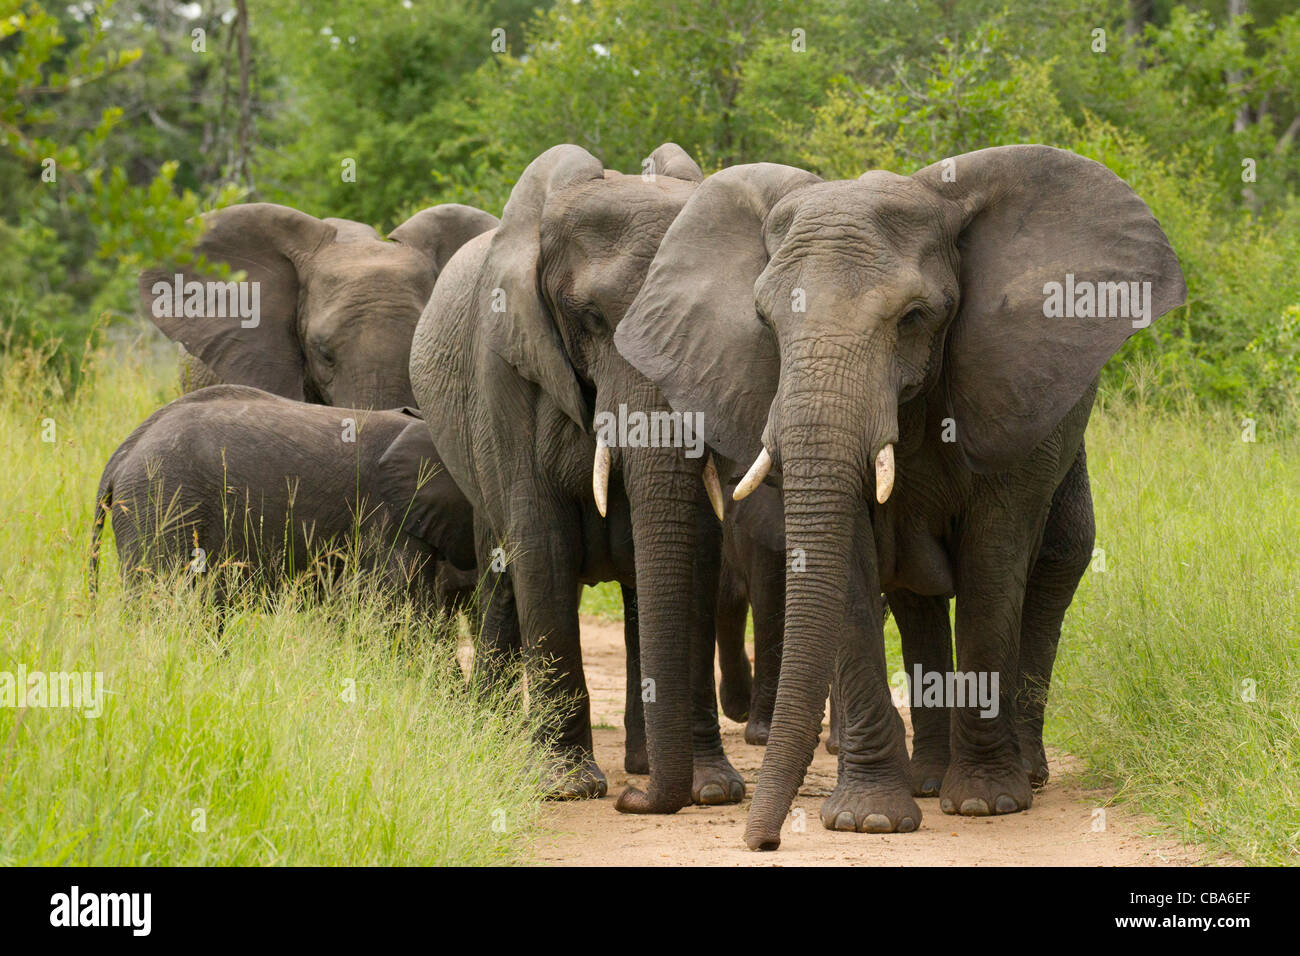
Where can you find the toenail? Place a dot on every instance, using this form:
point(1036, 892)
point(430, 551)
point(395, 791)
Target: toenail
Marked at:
point(845, 821)
point(974, 807)
point(711, 793)
point(1006, 804)
point(877, 823)
point(906, 825)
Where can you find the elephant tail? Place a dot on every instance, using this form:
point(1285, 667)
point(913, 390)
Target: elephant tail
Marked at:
point(103, 502)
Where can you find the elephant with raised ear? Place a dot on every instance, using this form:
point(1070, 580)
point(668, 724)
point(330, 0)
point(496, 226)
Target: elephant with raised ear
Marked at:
point(914, 358)
point(336, 304)
point(515, 366)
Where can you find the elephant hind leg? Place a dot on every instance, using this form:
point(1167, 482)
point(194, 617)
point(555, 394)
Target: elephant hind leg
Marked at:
point(1063, 557)
point(733, 609)
point(767, 595)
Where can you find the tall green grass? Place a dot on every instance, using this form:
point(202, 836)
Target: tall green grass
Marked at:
point(308, 732)
point(339, 732)
point(1178, 678)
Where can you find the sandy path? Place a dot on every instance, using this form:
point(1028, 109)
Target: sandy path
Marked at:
point(1058, 830)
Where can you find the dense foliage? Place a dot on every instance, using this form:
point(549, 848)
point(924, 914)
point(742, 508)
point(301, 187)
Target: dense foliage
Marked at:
point(152, 111)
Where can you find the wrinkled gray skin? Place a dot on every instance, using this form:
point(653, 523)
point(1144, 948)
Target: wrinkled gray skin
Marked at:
point(338, 302)
point(216, 469)
point(923, 312)
point(517, 390)
point(752, 576)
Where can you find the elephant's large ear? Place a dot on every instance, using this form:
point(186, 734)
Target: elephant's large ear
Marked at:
point(435, 512)
point(349, 230)
point(671, 160)
point(693, 328)
point(1031, 216)
point(440, 230)
point(271, 244)
point(525, 334)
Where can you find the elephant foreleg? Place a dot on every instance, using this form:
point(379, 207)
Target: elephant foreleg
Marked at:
point(714, 779)
point(874, 790)
point(994, 544)
point(635, 758)
point(544, 562)
point(927, 648)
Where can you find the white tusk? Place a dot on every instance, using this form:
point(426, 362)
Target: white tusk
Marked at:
point(754, 477)
point(884, 473)
point(713, 487)
point(600, 476)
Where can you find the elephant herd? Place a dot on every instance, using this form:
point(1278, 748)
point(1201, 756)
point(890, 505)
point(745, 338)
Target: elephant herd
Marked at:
point(822, 400)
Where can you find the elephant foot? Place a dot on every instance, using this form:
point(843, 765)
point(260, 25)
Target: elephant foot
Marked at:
point(926, 776)
point(633, 800)
point(756, 732)
point(575, 777)
point(715, 781)
point(982, 791)
point(1038, 775)
point(635, 760)
point(734, 700)
point(1034, 760)
point(860, 807)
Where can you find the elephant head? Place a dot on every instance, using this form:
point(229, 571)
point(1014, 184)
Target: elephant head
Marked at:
point(327, 307)
point(798, 315)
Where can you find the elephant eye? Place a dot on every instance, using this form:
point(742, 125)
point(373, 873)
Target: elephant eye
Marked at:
point(325, 352)
point(911, 319)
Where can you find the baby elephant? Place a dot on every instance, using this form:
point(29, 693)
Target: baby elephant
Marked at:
point(235, 477)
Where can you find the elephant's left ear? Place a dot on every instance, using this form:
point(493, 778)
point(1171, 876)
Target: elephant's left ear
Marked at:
point(422, 498)
point(1060, 262)
point(440, 230)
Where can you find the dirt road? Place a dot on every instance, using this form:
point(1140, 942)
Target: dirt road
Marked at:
point(1058, 830)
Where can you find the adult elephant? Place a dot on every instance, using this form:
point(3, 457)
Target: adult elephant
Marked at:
point(918, 326)
point(337, 304)
point(514, 364)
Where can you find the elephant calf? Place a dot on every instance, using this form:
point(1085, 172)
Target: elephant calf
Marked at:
point(237, 477)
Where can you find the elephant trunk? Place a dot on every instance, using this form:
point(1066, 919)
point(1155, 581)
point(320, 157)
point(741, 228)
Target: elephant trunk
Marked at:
point(663, 489)
point(828, 435)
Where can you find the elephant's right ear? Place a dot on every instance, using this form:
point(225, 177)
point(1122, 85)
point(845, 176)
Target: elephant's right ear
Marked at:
point(671, 160)
point(440, 230)
point(520, 327)
point(247, 333)
point(693, 328)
